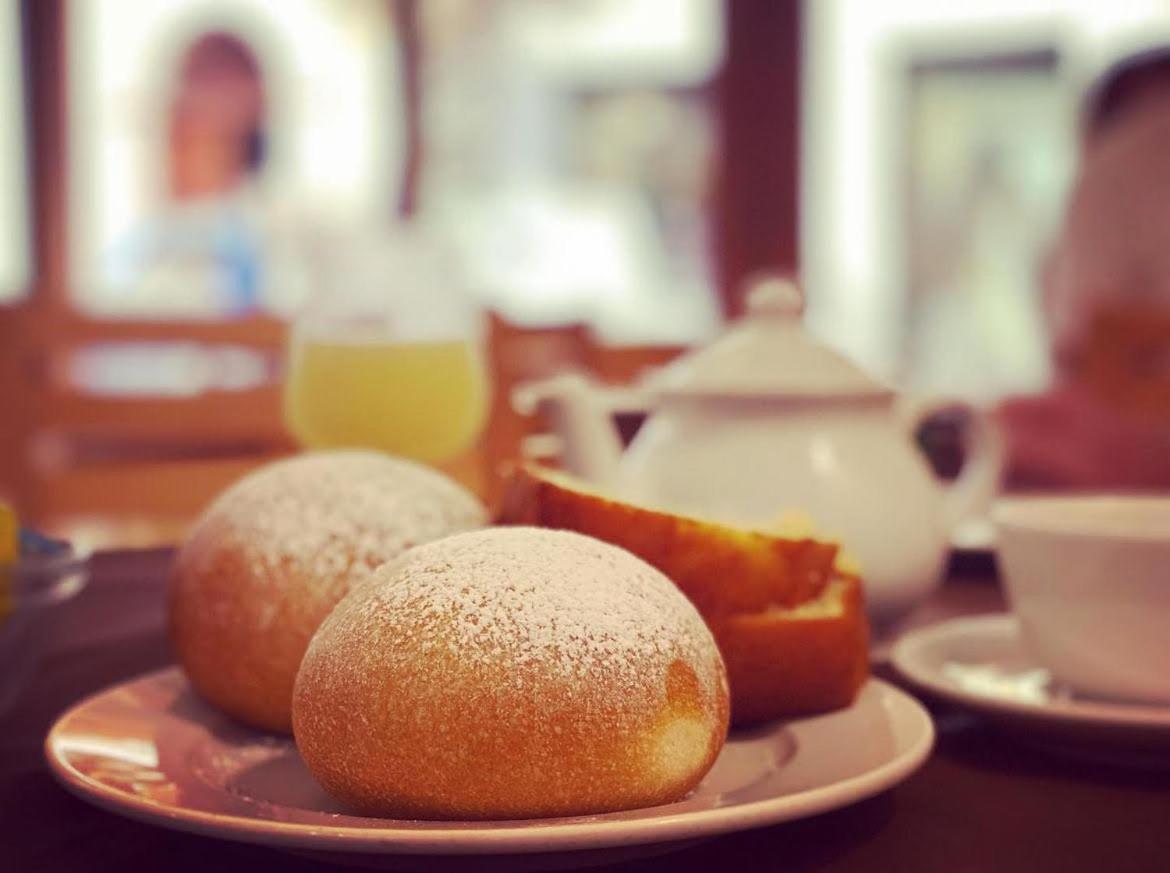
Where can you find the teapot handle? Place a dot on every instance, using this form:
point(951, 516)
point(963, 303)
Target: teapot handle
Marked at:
point(613, 399)
point(969, 497)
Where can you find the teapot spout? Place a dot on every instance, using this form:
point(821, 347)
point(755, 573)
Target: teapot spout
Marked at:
point(580, 416)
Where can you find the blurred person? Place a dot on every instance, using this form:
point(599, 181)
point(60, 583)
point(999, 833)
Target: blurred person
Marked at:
point(200, 249)
point(217, 118)
point(1105, 422)
point(210, 245)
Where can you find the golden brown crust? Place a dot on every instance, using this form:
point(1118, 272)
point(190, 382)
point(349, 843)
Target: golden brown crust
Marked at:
point(721, 569)
point(781, 665)
point(240, 646)
point(422, 697)
point(276, 551)
point(500, 768)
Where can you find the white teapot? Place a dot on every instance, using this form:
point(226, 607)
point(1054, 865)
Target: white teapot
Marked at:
point(766, 422)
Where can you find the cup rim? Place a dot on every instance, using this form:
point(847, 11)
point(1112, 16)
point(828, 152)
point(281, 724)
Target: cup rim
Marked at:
point(1084, 515)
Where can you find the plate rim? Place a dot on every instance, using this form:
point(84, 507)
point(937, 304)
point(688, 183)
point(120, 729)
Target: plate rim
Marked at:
point(571, 835)
point(906, 661)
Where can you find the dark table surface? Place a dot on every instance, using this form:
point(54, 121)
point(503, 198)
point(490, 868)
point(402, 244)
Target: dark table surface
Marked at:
point(984, 801)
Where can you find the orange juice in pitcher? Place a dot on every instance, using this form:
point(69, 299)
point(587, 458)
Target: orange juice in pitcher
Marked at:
point(388, 356)
point(422, 399)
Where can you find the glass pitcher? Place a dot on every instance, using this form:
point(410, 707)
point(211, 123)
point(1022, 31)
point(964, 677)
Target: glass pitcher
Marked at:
point(389, 355)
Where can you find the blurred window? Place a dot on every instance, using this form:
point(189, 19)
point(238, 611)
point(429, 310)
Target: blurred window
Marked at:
point(223, 152)
point(938, 147)
point(987, 147)
point(14, 211)
point(211, 142)
point(567, 153)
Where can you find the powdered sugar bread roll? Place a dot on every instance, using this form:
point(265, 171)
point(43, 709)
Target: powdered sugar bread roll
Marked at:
point(511, 673)
point(276, 551)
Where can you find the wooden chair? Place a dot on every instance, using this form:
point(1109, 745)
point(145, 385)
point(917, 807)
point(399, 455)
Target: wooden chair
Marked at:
point(130, 470)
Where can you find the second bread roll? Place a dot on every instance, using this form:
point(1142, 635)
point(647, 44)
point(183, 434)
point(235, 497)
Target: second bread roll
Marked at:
point(273, 555)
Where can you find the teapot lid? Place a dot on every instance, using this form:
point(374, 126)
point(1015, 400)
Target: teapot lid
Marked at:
point(767, 353)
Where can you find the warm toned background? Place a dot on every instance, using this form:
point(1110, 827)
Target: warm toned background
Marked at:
point(908, 162)
point(133, 470)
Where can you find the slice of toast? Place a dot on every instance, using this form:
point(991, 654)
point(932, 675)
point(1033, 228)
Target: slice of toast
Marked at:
point(790, 662)
point(722, 569)
point(792, 630)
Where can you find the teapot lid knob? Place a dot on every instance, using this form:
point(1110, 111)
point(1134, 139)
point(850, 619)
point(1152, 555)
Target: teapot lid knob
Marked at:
point(774, 295)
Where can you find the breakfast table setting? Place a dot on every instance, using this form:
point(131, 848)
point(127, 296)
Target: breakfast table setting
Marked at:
point(988, 797)
point(762, 635)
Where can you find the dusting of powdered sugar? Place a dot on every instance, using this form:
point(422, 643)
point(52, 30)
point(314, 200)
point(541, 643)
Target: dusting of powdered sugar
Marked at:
point(525, 606)
point(337, 514)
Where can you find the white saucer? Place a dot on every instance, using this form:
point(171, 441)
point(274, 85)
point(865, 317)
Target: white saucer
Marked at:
point(150, 750)
point(981, 664)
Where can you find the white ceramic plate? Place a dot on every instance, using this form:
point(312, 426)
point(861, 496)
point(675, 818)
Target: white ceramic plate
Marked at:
point(980, 663)
point(149, 749)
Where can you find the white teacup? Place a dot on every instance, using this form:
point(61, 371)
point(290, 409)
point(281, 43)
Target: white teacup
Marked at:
point(1089, 579)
